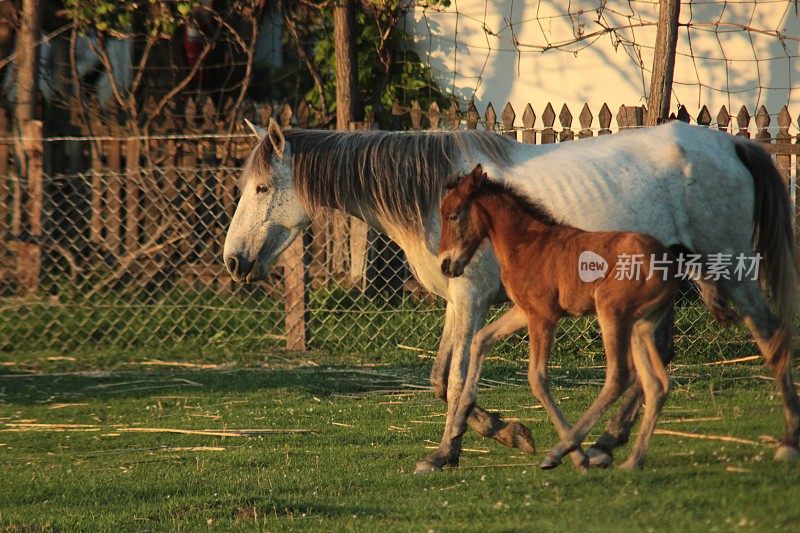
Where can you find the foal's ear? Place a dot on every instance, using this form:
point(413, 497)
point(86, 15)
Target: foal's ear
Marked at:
point(476, 178)
point(276, 137)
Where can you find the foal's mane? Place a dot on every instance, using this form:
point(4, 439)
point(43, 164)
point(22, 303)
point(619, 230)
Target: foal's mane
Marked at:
point(395, 178)
point(525, 204)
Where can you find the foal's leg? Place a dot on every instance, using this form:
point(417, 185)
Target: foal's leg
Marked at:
point(774, 341)
point(618, 429)
point(616, 339)
point(469, 312)
point(655, 383)
point(541, 339)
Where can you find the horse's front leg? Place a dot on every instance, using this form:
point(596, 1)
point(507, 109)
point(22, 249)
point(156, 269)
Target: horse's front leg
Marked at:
point(441, 364)
point(512, 434)
point(469, 311)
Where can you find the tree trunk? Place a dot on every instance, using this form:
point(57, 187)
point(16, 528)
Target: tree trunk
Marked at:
point(663, 62)
point(27, 63)
point(344, 39)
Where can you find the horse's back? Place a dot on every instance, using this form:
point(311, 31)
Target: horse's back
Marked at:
point(672, 181)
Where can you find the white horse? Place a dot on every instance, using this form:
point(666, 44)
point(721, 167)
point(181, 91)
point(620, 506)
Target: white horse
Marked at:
point(695, 188)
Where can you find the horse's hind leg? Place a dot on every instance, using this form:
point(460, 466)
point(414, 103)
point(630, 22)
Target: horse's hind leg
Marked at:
point(616, 339)
point(618, 429)
point(655, 384)
point(774, 341)
point(511, 434)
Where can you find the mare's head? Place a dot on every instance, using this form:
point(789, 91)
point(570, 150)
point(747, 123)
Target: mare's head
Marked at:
point(462, 229)
point(269, 214)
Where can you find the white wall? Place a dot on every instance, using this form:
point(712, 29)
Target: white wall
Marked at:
point(472, 63)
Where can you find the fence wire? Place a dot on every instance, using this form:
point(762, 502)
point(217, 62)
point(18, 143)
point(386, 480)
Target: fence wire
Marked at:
point(133, 263)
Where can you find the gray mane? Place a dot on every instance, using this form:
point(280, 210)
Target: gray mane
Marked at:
point(392, 177)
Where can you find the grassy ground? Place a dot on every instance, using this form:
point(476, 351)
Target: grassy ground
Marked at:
point(332, 443)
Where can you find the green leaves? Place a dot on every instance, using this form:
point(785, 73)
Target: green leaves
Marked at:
point(115, 18)
point(388, 67)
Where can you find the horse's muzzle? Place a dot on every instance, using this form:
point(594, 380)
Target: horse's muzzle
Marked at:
point(239, 268)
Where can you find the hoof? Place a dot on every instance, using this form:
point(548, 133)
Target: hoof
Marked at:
point(432, 463)
point(425, 467)
point(600, 458)
point(517, 436)
point(630, 466)
point(550, 462)
point(787, 452)
point(583, 466)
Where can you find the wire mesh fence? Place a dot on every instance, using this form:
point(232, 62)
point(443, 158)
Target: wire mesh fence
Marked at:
point(130, 259)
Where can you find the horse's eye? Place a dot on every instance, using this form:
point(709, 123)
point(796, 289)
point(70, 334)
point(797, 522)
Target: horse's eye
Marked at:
point(262, 189)
point(453, 217)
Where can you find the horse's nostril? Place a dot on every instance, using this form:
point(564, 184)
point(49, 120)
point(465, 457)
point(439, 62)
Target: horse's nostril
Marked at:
point(233, 264)
point(445, 266)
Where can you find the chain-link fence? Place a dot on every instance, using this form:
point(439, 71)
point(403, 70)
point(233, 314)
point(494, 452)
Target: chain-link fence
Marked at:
point(129, 258)
point(171, 294)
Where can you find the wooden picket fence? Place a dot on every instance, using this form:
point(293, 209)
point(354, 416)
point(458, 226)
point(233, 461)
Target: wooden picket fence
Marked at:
point(165, 199)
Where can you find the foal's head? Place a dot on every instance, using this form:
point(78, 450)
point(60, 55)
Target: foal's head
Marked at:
point(462, 230)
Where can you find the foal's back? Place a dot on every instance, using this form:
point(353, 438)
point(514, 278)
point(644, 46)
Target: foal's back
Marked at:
point(555, 270)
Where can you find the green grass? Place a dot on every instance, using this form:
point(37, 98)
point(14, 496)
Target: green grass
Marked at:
point(368, 424)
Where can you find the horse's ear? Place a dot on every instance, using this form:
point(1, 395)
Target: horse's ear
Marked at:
point(276, 137)
point(257, 130)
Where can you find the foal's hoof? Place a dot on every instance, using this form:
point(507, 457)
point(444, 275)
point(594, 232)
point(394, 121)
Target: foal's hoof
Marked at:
point(434, 462)
point(599, 458)
point(787, 452)
point(550, 462)
point(631, 465)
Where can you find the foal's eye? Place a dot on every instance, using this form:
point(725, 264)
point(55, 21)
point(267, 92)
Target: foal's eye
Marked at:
point(262, 189)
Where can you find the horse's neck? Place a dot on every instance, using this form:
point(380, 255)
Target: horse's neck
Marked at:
point(508, 222)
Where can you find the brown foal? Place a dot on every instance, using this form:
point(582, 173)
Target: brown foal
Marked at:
point(550, 270)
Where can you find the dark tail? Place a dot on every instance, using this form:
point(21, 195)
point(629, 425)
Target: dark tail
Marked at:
point(773, 235)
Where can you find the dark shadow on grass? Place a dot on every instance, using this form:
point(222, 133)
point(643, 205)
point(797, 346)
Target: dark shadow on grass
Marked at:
point(23, 388)
point(317, 381)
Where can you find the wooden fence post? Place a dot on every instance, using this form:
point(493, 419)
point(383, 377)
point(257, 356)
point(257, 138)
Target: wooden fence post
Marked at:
point(630, 117)
point(663, 61)
point(528, 123)
point(4, 188)
point(784, 140)
point(295, 295)
point(132, 196)
point(29, 251)
point(96, 150)
point(115, 188)
point(295, 263)
point(507, 117)
point(359, 241)
point(548, 135)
